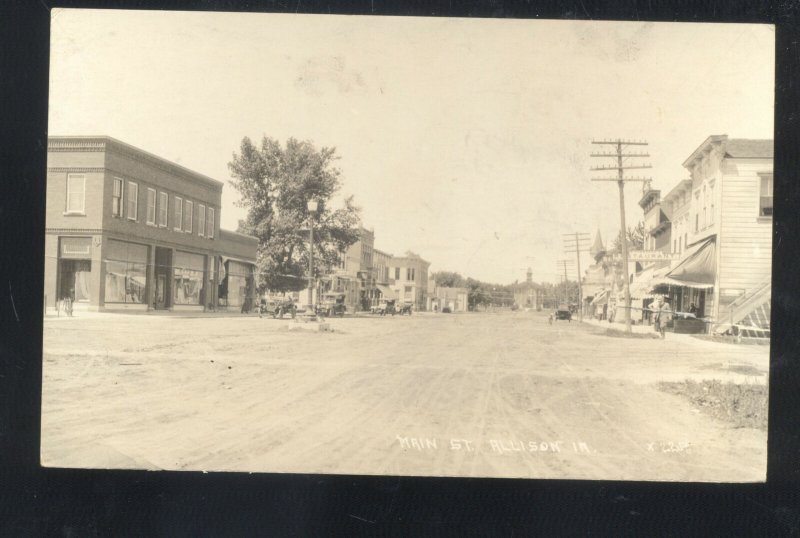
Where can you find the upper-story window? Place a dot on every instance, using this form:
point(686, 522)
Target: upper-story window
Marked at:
point(151, 206)
point(765, 199)
point(178, 213)
point(163, 205)
point(397, 273)
point(188, 214)
point(133, 200)
point(711, 206)
point(201, 220)
point(409, 273)
point(76, 193)
point(210, 223)
point(116, 198)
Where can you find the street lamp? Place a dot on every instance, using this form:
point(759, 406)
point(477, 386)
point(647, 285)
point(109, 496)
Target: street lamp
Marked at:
point(312, 208)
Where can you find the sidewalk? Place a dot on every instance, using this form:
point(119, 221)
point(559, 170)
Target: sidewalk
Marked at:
point(641, 329)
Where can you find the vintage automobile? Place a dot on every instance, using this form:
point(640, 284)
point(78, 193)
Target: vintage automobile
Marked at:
point(447, 310)
point(277, 308)
point(563, 312)
point(405, 308)
point(332, 304)
point(384, 307)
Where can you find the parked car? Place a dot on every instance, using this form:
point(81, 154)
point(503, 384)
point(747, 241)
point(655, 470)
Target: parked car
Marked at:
point(277, 308)
point(332, 304)
point(563, 312)
point(385, 307)
point(405, 308)
point(447, 310)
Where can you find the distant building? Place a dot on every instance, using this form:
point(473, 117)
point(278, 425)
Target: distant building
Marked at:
point(353, 276)
point(410, 276)
point(528, 295)
point(127, 230)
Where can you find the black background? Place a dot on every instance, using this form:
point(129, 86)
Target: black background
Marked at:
point(54, 502)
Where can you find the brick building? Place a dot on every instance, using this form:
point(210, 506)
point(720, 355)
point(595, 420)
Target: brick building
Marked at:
point(127, 230)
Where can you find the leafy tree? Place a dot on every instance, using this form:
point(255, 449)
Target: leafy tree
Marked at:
point(634, 236)
point(449, 279)
point(275, 183)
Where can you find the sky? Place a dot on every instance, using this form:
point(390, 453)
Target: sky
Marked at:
point(466, 141)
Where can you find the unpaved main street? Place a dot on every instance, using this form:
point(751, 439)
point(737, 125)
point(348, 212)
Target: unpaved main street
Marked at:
point(493, 394)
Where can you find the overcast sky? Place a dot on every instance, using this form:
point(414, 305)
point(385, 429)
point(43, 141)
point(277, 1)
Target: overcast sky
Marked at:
point(464, 140)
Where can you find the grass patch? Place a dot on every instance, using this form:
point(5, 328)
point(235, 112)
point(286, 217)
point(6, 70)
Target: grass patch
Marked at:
point(744, 406)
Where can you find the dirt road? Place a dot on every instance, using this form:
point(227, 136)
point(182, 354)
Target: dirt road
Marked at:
point(503, 395)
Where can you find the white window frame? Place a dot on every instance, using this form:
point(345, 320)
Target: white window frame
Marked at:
point(135, 216)
point(178, 218)
point(761, 178)
point(188, 215)
point(73, 210)
point(151, 221)
point(201, 220)
point(163, 205)
point(114, 182)
point(210, 223)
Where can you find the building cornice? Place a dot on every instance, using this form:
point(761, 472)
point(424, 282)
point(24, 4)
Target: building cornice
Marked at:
point(107, 143)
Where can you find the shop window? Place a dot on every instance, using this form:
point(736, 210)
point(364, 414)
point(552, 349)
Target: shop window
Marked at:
point(188, 214)
point(163, 204)
point(201, 220)
point(133, 201)
point(116, 198)
point(126, 273)
point(765, 200)
point(151, 206)
point(178, 213)
point(188, 275)
point(76, 193)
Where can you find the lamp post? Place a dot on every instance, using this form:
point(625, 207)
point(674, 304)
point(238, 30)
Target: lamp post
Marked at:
point(312, 208)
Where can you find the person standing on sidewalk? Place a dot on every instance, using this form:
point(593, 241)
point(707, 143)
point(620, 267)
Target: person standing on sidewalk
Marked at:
point(662, 316)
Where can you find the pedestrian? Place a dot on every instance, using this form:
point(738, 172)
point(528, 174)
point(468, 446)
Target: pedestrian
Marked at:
point(661, 317)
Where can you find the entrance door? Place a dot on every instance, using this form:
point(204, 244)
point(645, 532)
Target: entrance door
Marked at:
point(73, 279)
point(161, 291)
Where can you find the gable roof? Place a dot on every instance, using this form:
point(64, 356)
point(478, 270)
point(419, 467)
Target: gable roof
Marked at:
point(744, 148)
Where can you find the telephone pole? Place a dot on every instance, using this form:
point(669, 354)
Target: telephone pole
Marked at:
point(563, 264)
point(574, 243)
point(619, 146)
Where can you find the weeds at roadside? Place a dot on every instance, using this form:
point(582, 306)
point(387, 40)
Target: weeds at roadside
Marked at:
point(743, 405)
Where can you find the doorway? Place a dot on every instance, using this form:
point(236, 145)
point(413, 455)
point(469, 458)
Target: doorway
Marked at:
point(73, 280)
point(163, 274)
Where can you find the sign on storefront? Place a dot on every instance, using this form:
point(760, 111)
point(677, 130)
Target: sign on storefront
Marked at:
point(651, 256)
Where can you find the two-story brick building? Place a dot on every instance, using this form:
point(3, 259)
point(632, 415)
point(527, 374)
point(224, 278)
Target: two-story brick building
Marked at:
point(410, 279)
point(128, 230)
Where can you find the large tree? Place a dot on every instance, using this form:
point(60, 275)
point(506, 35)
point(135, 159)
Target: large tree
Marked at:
point(634, 236)
point(449, 279)
point(275, 183)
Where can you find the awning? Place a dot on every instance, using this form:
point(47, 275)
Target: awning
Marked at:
point(640, 287)
point(601, 295)
point(699, 269)
point(386, 292)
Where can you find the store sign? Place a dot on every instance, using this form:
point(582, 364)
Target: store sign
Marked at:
point(651, 256)
point(76, 247)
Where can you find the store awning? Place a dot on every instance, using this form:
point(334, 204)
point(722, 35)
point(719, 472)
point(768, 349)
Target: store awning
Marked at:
point(699, 269)
point(600, 297)
point(386, 292)
point(642, 282)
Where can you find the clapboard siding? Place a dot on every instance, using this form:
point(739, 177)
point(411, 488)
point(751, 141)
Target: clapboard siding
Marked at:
point(745, 240)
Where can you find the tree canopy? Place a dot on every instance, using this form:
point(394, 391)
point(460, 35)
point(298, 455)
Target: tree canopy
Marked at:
point(275, 183)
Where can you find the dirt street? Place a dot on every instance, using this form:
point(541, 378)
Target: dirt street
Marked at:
point(494, 394)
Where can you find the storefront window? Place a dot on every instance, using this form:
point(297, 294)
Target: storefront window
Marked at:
point(240, 279)
point(126, 273)
point(188, 278)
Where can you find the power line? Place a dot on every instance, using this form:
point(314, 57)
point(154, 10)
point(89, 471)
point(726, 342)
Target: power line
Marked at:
point(617, 152)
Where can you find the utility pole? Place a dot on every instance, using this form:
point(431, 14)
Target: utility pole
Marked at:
point(619, 146)
point(577, 241)
point(563, 264)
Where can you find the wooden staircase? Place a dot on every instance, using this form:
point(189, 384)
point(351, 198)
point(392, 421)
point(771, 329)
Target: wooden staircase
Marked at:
point(751, 312)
